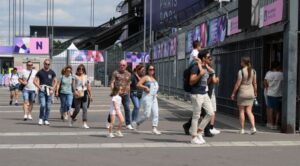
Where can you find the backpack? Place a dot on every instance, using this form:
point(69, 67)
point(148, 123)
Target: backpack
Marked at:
point(186, 79)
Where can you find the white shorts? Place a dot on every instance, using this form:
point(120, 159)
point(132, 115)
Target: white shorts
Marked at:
point(214, 102)
point(114, 112)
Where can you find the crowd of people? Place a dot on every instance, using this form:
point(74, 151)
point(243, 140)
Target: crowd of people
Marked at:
point(141, 86)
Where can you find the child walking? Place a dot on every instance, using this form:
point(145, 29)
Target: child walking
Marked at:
point(115, 110)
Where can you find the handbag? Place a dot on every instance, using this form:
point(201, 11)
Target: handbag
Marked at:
point(22, 86)
point(80, 94)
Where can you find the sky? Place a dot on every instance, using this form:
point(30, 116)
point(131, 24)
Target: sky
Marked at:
point(67, 13)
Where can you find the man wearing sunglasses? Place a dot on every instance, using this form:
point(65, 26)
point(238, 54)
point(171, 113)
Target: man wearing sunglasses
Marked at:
point(26, 78)
point(45, 81)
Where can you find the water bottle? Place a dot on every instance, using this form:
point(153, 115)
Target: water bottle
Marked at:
point(255, 102)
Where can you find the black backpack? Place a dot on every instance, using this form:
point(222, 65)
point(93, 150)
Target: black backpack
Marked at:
point(186, 79)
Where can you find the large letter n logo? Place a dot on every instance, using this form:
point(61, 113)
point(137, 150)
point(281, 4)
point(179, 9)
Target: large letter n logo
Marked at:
point(39, 45)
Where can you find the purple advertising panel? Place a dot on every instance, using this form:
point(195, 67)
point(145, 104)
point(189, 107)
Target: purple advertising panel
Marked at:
point(233, 26)
point(166, 48)
point(200, 34)
point(31, 45)
point(6, 49)
point(78, 55)
point(155, 52)
point(271, 13)
point(166, 11)
point(161, 50)
point(145, 57)
point(189, 41)
point(217, 30)
point(173, 46)
point(136, 57)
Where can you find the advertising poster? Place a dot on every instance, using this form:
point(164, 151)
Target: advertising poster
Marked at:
point(217, 30)
point(203, 34)
point(26, 45)
point(189, 41)
point(78, 55)
point(173, 46)
point(233, 26)
point(271, 13)
point(155, 52)
point(95, 56)
point(161, 50)
point(166, 48)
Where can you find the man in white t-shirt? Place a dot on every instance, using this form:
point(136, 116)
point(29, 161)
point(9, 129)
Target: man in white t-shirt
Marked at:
point(14, 86)
point(195, 52)
point(273, 85)
point(26, 78)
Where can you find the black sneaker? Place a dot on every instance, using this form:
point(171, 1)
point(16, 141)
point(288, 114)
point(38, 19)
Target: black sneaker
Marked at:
point(186, 129)
point(10, 102)
point(16, 104)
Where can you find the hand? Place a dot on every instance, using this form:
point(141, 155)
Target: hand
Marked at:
point(217, 80)
point(51, 92)
point(76, 93)
point(232, 97)
point(147, 90)
point(198, 61)
point(91, 98)
point(56, 94)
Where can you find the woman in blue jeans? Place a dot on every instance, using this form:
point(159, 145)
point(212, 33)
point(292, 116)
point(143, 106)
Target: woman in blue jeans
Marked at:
point(149, 99)
point(65, 91)
point(135, 92)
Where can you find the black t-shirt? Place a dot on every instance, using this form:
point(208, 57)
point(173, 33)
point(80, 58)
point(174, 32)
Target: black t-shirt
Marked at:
point(46, 77)
point(201, 86)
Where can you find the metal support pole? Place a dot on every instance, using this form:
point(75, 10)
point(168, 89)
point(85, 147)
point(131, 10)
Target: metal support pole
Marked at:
point(150, 29)
point(9, 37)
point(290, 68)
point(145, 24)
point(20, 8)
point(47, 30)
point(105, 66)
point(23, 17)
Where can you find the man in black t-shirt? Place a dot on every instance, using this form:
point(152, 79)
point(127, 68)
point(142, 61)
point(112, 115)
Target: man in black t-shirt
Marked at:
point(45, 81)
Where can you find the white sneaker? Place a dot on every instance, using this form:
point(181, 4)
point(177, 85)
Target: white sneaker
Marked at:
point(85, 126)
point(41, 122)
point(30, 117)
point(196, 140)
point(200, 137)
point(214, 131)
point(253, 131)
point(134, 125)
point(46, 123)
point(25, 117)
point(242, 131)
point(129, 127)
point(71, 122)
point(110, 135)
point(155, 131)
point(119, 134)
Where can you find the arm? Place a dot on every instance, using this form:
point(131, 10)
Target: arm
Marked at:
point(235, 89)
point(112, 82)
point(254, 83)
point(36, 82)
point(57, 88)
point(141, 84)
point(89, 90)
point(196, 77)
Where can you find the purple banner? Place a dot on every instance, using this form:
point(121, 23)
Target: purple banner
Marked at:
point(217, 30)
point(173, 46)
point(271, 13)
point(167, 10)
point(233, 26)
point(189, 41)
point(6, 49)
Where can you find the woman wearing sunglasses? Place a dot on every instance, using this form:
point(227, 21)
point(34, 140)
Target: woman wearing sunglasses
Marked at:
point(82, 95)
point(150, 87)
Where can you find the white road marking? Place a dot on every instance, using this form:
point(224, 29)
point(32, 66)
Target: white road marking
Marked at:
point(150, 145)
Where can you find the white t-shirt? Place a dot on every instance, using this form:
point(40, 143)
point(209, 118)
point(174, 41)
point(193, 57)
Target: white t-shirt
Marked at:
point(193, 55)
point(25, 74)
point(14, 79)
point(118, 101)
point(274, 79)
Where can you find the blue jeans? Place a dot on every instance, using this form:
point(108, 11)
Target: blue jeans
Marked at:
point(125, 103)
point(150, 105)
point(29, 96)
point(136, 107)
point(65, 102)
point(45, 104)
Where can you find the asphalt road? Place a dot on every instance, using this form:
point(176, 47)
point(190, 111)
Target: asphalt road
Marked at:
point(26, 143)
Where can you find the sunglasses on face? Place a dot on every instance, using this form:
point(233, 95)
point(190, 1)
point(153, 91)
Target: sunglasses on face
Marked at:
point(151, 69)
point(80, 68)
point(29, 64)
point(47, 64)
